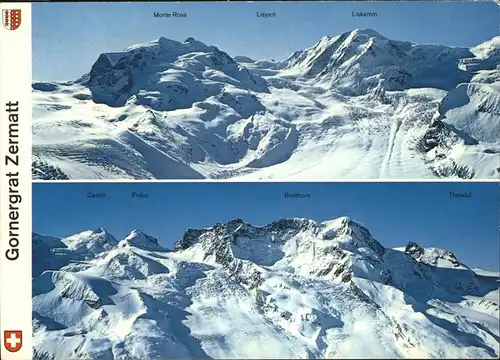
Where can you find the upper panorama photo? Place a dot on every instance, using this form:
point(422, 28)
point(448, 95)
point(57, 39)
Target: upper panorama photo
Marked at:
point(266, 91)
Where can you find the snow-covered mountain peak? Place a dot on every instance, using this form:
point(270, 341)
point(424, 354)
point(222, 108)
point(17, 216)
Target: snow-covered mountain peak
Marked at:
point(305, 244)
point(326, 230)
point(358, 34)
point(433, 256)
point(166, 74)
point(486, 56)
point(99, 230)
point(186, 110)
point(284, 285)
point(290, 224)
point(90, 241)
point(352, 235)
point(165, 46)
point(54, 253)
point(192, 236)
point(139, 239)
point(194, 42)
point(340, 223)
point(360, 60)
point(488, 49)
point(237, 227)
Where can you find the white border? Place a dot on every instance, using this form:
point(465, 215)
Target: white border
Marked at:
point(15, 275)
point(377, 180)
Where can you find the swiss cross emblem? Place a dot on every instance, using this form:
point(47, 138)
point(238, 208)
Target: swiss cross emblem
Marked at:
point(13, 340)
point(11, 19)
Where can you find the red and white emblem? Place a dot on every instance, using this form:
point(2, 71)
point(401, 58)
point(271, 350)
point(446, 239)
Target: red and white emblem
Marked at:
point(11, 19)
point(13, 340)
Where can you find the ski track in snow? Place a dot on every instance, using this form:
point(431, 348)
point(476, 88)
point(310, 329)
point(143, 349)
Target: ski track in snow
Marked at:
point(390, 148)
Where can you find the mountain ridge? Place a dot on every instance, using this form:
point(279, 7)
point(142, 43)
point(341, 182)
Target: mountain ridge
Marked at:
point(375, 107)
point(324, 230)
point(303, 287)
point(359, 57)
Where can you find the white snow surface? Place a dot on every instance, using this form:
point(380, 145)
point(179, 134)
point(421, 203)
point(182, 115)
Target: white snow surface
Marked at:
point(352, 106)
point(294, 288)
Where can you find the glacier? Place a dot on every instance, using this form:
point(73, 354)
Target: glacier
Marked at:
point(353, 106)
point(294, 288)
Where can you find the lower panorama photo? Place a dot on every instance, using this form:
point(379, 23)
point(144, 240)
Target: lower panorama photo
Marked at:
point(265, 270)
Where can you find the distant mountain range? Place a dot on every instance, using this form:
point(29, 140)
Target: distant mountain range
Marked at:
point(356, 105)
point(294, 288)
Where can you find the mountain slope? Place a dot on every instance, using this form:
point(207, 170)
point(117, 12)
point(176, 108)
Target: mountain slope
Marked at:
point(294, 288)
point(356, 105)
point(360, 60)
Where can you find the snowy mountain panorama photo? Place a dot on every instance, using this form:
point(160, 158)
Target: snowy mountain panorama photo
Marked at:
point(359, 101)
point(292, 287)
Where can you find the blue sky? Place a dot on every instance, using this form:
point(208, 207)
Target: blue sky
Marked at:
point(68, 37)
point(395, 213)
